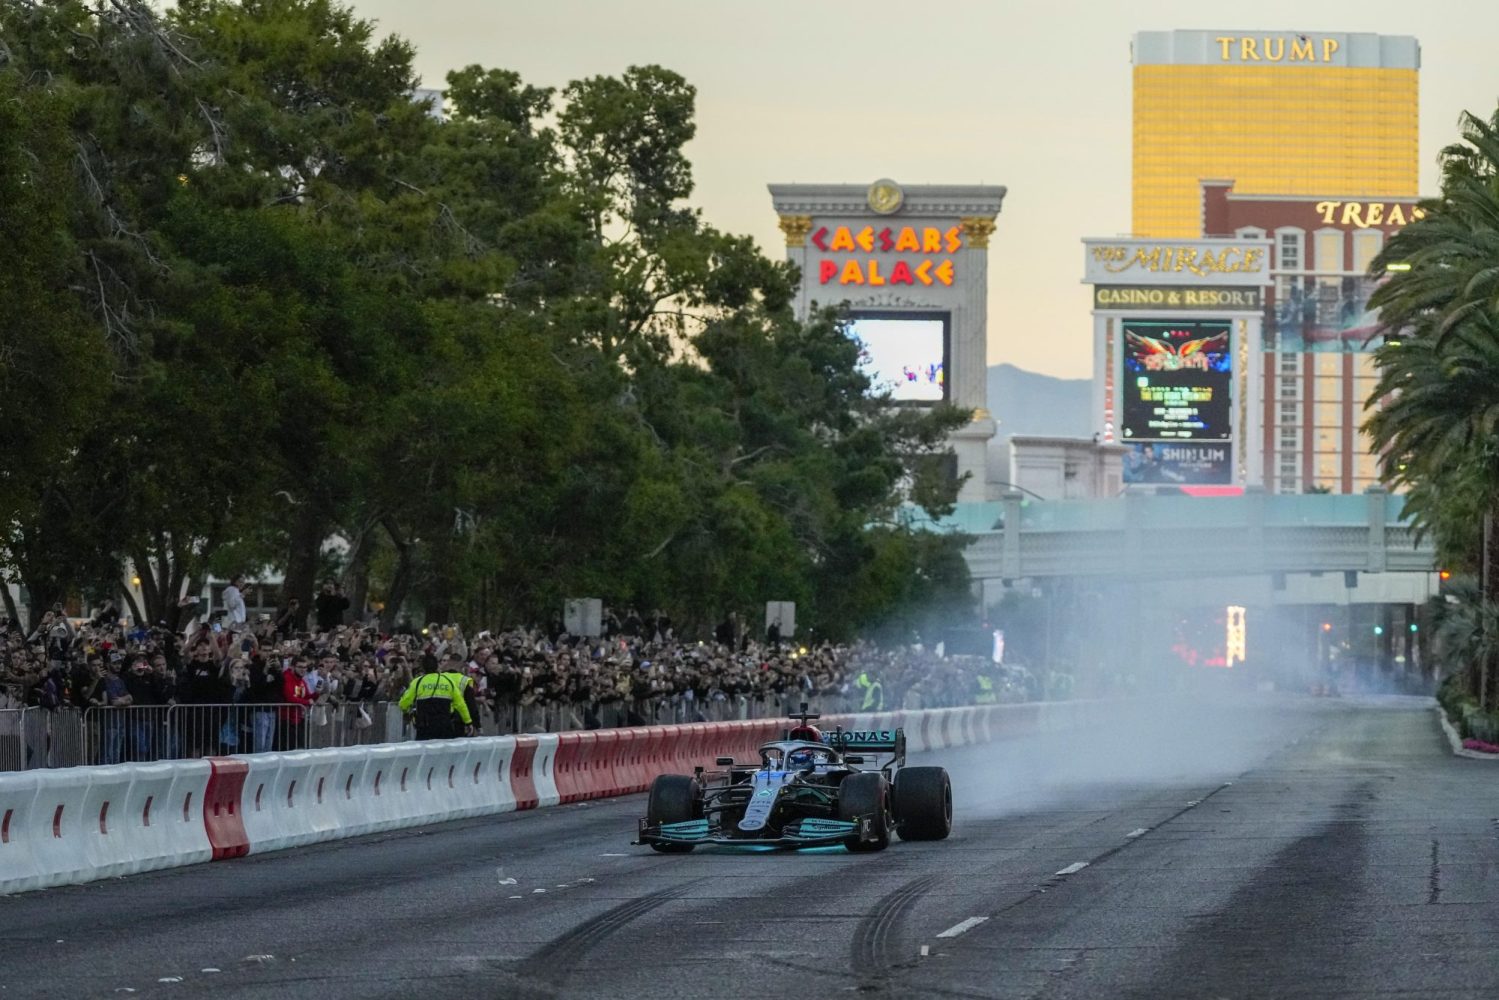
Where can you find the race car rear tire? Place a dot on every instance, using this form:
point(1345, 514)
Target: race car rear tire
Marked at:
point(675, 798)
point(923, 803)
point(866, 794)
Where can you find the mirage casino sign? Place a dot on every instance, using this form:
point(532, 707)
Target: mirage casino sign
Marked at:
point(886, 255)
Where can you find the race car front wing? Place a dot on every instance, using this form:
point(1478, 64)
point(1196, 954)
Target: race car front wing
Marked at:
point(808, 832)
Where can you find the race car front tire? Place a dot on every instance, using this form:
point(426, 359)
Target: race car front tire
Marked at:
point(923, 803)
point(675, 798)
point(866, 794)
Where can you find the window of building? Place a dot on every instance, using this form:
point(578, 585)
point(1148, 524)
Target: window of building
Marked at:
point(1288, 247)
point(1250, 233)
point(1329, 251)
point(1366, 246)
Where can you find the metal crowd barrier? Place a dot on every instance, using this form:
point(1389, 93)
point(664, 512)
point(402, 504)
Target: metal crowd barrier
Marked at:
point(39, 737)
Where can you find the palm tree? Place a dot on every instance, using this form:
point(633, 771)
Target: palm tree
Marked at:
point(1466, 631)
point(1438, 395)
point(1447, 263)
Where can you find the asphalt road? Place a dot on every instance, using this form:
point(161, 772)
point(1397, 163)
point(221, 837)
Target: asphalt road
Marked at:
point(1276, 847)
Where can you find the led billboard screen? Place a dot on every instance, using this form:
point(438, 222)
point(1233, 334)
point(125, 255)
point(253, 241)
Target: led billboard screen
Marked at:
point(903, 355)
point(1177, 379)
point(1177, 413)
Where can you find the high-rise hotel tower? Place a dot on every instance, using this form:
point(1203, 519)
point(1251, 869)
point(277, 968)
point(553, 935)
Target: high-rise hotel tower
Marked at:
point(1278, 112)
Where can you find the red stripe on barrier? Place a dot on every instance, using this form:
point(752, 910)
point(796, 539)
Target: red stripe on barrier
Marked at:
point(567, 761)
point(221, 813)
point(103, 823)
point(520, 772)
point(57, 822)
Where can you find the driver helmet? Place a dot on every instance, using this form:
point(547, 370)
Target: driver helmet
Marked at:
point(801, 757)
point(810, 734)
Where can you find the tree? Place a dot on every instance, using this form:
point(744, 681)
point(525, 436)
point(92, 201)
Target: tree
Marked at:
point(264, 298)
point(1438, 394)
point(50, 362)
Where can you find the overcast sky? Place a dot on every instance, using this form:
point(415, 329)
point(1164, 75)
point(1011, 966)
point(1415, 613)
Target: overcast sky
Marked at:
point(1034, 96)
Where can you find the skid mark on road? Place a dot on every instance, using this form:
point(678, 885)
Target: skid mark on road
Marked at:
point(550, 965)
point(873, 956)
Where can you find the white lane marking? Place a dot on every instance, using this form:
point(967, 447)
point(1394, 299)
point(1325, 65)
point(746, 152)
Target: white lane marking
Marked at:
point(962, 927)
point(1137, 833)
point(926, 950)
point(614, 855)
point(170, 979)
point(1193, 803)
point(209, 971)
point(1073, 868)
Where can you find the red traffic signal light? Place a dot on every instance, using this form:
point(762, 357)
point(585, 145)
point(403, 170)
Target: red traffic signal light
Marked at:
point(1444, 575)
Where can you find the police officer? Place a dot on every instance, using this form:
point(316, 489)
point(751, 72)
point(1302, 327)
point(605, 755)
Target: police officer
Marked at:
point(438, 702)
point(986, 694)
point(452, 668)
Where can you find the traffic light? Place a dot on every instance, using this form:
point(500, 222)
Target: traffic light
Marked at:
point(1444, 575)
point(1414, 627)
point(1379, 630)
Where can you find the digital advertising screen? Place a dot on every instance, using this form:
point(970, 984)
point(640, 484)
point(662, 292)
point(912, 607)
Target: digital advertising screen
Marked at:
point(903, 354)
point(1169, 463)
point(1177, 380)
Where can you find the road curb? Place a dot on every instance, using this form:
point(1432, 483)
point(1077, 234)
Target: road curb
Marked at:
point(1456, 742)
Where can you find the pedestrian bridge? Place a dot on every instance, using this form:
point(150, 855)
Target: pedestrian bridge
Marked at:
point(1178, 536)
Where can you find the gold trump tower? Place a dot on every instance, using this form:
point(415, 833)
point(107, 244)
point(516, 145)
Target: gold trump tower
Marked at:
point(1287, 113)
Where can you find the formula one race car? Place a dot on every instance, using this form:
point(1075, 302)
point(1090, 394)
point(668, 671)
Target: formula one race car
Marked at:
point(809, 790)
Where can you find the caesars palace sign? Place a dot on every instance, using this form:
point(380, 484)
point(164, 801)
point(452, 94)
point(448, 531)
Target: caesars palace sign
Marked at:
point(931, 265)
point(846, 250)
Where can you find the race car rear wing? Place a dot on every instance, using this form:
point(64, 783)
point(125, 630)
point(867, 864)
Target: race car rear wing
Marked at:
point(871, 740)
point(875, 741)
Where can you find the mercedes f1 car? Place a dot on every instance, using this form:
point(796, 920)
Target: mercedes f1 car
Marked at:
point(809, 789)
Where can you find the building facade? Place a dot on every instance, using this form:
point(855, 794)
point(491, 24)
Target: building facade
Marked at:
point(1286, 113)
point(1319, 334)
point(1177, 335)
point(1053, 468)
point(910, 267)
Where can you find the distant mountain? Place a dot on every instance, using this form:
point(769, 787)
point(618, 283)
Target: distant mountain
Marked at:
point(1027, 403)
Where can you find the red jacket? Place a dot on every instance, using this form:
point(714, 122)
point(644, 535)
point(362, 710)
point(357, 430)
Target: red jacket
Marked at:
point(294, 693)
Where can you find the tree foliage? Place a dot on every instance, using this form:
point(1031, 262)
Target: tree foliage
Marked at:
point(264, 300)
point(1437, 400)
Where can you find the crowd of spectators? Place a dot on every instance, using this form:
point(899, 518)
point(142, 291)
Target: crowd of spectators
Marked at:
point(298, 661)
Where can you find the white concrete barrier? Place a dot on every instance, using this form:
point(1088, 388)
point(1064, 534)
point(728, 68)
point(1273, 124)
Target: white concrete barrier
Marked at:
point(77, 824)
point(18, 866)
